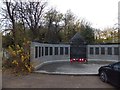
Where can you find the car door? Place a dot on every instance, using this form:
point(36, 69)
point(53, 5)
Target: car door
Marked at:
point(116, 74)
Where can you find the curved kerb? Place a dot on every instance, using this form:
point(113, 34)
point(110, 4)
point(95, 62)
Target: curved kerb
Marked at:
point(63, 73)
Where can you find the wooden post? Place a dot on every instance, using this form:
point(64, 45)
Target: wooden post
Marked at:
point(0, 42)
point(119, 22)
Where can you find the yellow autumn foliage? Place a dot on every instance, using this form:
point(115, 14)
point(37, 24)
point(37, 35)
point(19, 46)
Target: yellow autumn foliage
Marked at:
point(20, 56)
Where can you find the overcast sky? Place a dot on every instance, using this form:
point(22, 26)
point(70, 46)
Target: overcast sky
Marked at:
point(100, 13)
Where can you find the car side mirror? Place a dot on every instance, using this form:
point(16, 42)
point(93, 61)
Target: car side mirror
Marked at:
point(111, 66)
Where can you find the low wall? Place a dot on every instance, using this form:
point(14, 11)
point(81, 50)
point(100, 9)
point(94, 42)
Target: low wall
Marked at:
point(103, 52)
point(41, 52)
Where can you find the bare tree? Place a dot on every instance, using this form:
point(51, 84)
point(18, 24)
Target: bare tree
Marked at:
point(53, 18)
point(31, 15)
point(11, 15)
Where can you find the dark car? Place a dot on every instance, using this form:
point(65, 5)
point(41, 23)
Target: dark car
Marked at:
point(110, 73)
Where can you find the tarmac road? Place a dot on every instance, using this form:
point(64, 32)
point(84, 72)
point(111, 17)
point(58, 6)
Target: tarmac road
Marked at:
point(36, 80)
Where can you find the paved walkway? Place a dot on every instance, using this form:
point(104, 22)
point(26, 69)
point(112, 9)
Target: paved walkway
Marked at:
point(68, 68)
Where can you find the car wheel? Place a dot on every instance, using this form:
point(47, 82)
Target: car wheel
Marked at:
point(103, 76)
